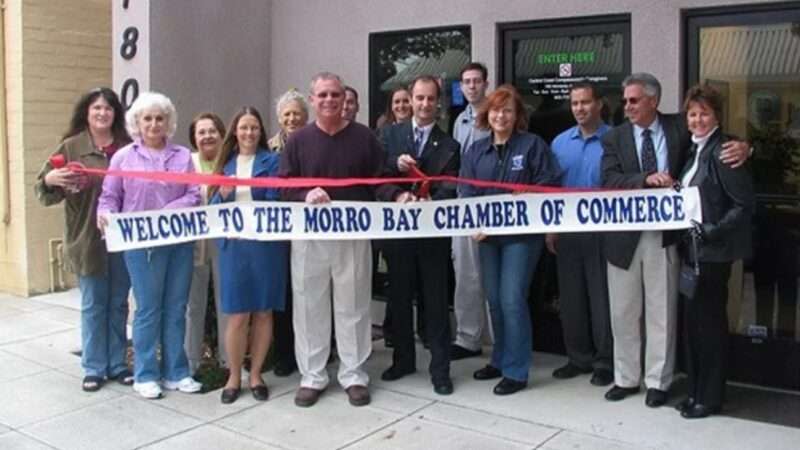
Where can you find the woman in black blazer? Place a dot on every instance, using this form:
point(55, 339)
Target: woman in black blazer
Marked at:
point(726, 195)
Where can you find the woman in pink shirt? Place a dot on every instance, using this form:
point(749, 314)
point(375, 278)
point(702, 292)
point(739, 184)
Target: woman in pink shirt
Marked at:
point(160, 276)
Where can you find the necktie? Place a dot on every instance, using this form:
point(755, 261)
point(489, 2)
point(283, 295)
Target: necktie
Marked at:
point(418, 134)
point(649, 163)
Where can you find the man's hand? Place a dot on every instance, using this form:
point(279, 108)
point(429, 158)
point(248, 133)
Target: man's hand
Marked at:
point(404, 162)
point(405, 197)
point(658, 179)
point(550, 240)
point(317, 196)
point(478, 237)
point(735, 153)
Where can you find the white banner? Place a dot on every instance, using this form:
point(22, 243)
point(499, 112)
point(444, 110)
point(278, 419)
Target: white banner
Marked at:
point(651, 209)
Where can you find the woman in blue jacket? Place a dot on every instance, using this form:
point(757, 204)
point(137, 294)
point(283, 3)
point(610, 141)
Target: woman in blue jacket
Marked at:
point(510, 155)
point(253, 274)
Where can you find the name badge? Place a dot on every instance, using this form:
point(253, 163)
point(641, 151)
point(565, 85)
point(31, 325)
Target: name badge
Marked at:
point(516, 162)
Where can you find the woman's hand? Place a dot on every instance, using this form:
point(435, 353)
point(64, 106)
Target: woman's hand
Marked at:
point(225, 191)
point(102, 223)
point(478, 237)
point(405, 197)
point(63, 178)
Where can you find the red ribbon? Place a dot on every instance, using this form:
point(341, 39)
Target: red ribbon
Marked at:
point(416, 176)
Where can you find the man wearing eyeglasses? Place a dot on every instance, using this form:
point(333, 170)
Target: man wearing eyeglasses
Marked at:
point(648, 151)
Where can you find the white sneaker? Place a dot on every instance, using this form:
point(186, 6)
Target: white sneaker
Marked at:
point(188, 385)
point(148, 389)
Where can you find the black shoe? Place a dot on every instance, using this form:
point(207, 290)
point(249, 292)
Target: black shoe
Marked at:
point(458, 352)
point(284, 368)
point(230, 395)
point(685, 405)
point(260, 392)
point(602, 377)
point(655, 398)
point(507, 386)
point(487, 373)
point(443, 387)
point(395, 373)
point(617, 393)
point(569, 371)
point(698, 411)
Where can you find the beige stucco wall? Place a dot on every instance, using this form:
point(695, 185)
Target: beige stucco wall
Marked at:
point(55, 51)
point(309, 36)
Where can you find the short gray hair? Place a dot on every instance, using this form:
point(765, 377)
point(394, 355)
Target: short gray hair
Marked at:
point(292, 95)
point(648, 82)
point(147, 100)
point(325, 76)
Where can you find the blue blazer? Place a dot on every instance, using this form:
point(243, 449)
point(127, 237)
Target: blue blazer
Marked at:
point(264, 165)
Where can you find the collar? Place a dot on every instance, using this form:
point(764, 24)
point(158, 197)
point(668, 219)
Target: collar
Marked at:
point(426, 129)
point(701, 141)
point(140, 148)
point(654, 127)
point(600, 131)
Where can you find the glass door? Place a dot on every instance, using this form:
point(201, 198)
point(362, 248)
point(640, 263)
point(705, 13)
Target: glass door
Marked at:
point(752, 55)
point(543, 59)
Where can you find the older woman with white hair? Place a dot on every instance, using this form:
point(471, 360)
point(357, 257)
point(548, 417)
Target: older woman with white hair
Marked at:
point(160, 276)
point(292, 113)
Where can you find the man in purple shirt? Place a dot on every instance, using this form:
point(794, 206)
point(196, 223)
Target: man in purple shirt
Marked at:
point(331, 147)
point(581, 262)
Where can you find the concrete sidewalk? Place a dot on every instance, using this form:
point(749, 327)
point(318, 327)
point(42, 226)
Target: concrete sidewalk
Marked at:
point(43, 407)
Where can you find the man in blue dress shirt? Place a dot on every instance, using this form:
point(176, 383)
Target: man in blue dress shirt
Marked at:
point(581, 262)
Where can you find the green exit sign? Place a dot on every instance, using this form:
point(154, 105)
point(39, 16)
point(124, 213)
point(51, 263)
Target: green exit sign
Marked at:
point(565, 57)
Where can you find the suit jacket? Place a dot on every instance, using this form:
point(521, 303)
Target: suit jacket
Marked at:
point(727, 199)
point(441, 156)
point(621, 169)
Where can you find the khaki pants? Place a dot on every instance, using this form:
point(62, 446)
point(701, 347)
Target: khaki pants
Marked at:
point(644, 302)
point(346, 267)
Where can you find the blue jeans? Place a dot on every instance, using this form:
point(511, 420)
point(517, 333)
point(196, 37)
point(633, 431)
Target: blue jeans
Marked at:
point(161, 277)
point(104, 312)
point(507, 267)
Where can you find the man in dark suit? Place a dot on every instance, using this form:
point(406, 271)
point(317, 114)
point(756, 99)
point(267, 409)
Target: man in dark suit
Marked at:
point(648, 151)
point(420, 265)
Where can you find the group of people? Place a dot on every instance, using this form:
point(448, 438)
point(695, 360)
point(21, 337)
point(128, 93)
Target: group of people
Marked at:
point(302, 293)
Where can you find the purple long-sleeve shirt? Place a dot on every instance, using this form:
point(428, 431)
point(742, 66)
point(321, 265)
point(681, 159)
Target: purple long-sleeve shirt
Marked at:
point(134, 194)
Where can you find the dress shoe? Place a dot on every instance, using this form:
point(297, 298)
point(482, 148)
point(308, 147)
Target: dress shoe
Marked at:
point(617, 393)
point(306, 397)
point(487, 373)
point(230, 395)
point(395, 373)
point(443, 386)
point(358, 395)
point(458, 352)
point(507, 386)
point(260, 392)
point(655, 398)
point(688, 403)
point(602, 377)
point(698, 411)
point(284, 368)
point(568, 371)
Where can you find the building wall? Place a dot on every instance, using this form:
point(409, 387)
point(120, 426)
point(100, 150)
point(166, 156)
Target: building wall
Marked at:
point(13, 257)
point(309, 36)
point(213, 56)
point(55, 51)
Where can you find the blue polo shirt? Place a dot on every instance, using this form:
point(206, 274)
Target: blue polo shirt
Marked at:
point(580, 158)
